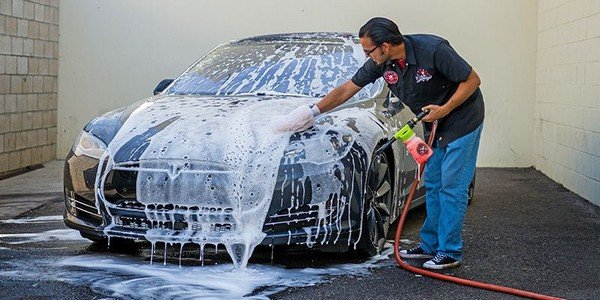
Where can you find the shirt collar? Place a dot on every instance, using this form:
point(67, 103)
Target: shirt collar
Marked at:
point(410, 53)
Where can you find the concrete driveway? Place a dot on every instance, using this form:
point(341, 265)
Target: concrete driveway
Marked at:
point(523, 230)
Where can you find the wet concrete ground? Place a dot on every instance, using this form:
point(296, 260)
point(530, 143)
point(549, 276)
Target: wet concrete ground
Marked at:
point(522, 230)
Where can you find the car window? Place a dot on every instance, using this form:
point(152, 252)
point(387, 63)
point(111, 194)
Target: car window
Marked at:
point(308, 69)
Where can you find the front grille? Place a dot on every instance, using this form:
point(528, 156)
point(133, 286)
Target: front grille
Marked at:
point(180, 199)
point(145, 224)
point(302, 216)
point(130, 214)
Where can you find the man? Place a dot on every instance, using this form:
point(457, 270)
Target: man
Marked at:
point(425, 73)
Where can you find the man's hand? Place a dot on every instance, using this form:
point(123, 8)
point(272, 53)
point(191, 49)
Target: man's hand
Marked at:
point(302, 117)
point(436, 112)
point(299, 119)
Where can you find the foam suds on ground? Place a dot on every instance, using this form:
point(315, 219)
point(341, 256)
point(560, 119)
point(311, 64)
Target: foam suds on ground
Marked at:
point(43, 219)
point(129, 277)
point(126, 276)
point(36, 237)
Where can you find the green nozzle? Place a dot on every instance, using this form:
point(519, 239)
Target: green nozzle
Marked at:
point(405, 133)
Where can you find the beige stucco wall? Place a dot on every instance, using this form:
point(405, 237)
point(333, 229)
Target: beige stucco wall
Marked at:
point(113, 52)
point(567, 121)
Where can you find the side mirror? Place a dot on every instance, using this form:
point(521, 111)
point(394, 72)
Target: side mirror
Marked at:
point(162, 85)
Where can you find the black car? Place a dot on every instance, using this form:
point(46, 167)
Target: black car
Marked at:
point(198, 163)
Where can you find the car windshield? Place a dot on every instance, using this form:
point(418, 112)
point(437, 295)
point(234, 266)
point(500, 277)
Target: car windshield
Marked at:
point(291, 68)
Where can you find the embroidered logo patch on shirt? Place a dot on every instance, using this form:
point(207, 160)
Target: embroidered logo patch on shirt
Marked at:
point(422, 75)
point(390, 77)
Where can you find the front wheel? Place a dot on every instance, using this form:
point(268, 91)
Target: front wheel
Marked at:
point(376, 218)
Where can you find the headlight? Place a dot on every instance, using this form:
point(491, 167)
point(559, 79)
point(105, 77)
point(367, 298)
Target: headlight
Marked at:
point(88, 145)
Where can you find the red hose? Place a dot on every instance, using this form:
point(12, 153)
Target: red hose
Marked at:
point(471, 283)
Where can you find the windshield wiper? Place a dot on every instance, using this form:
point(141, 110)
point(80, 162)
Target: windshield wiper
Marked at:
point(271, 93)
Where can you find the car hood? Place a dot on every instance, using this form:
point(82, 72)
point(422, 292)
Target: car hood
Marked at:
point(199, 128)
point(219, 129)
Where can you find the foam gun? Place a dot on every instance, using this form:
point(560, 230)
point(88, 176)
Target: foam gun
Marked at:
point(419, 150)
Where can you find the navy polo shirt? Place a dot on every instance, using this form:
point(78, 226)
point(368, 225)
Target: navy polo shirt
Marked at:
point(431, 75)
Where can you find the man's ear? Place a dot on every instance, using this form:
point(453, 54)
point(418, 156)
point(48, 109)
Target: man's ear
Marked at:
point(385, 46)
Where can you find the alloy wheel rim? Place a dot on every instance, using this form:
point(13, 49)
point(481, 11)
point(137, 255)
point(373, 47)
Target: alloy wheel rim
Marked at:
point(379, 191)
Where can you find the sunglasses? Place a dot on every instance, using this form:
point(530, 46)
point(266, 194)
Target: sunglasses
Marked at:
point(371, 51)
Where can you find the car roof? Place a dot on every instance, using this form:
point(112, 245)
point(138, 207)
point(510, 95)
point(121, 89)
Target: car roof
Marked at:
point(301, 37)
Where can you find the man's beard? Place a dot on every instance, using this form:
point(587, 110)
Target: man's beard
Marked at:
point(384, 60)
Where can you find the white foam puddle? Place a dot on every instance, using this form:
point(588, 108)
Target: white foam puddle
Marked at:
point(127, 277)
point(123, 276)
point(43, 219)
point(50, 235)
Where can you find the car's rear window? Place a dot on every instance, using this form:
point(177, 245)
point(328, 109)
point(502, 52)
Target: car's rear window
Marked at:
point(309, 69)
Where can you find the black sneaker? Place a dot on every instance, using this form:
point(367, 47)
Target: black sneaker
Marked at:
point(441, 261)
point(414, 253)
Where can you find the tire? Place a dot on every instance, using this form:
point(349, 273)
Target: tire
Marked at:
point(376, 219)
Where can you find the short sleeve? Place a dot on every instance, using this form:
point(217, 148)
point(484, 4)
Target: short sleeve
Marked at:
point(368, 73)
point(449, 63)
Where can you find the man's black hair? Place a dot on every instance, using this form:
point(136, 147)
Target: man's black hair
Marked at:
point(381, 30)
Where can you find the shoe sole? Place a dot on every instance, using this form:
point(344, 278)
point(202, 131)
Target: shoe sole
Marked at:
point(416, 256)
point(441, 267)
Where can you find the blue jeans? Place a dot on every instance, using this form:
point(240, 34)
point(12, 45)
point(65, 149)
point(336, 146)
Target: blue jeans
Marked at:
point(448, 173)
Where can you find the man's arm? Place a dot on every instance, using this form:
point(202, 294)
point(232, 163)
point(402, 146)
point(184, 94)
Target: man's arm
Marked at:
point(338, 96)
point(464, 90)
